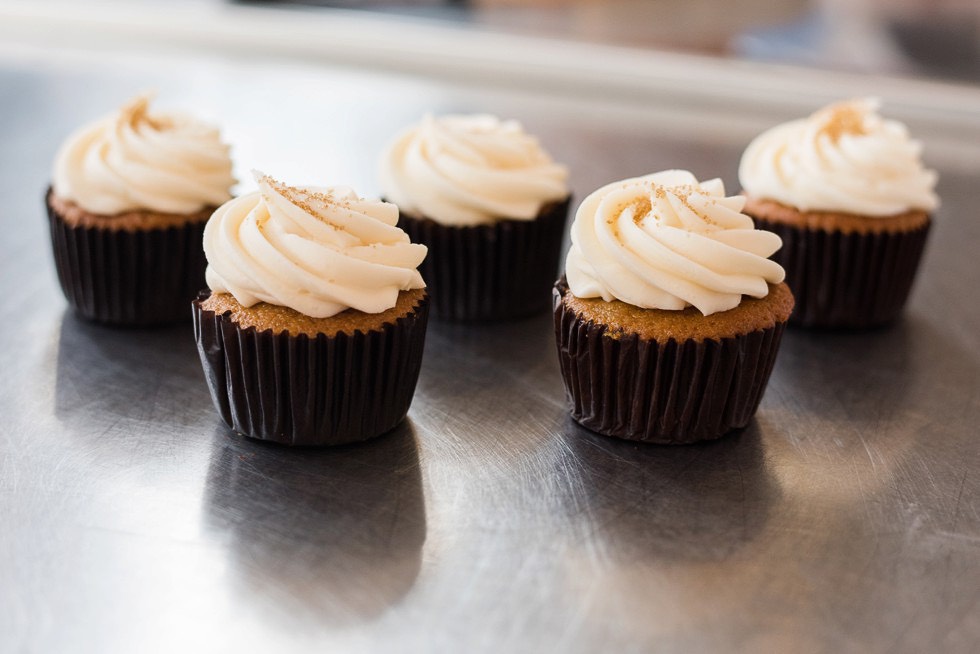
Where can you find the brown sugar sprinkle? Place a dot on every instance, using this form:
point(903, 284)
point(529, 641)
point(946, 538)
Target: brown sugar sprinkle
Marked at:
point(641, 208)
point(684, 193)
point(302, 197)
point(299, 197)
point(842, 118)
point(681, 194)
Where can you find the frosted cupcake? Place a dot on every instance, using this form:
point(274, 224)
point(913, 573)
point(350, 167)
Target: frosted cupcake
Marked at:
point(127, 207)
point(313, 328)
point(491, 205)
point(670, 314)
point(847, 192)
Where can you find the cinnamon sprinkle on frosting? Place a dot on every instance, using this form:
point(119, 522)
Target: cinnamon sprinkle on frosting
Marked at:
point(842, 118)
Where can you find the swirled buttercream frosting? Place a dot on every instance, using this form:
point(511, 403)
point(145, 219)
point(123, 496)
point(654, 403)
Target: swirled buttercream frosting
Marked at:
point(668, 241)
point(843, 158)
point(137, 159)
point(316, 250)
point(470, 169)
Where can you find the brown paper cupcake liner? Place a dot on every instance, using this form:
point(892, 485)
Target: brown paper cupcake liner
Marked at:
point(302, 390)
point(490, 272)
point(123, 277)
point(661, 392)
point(849, 280)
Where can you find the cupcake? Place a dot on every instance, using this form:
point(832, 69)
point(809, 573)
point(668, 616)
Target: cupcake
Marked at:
point(491, 206)
point(313, 327)
point(127, 207)
point(670, 314)
point(847, 192)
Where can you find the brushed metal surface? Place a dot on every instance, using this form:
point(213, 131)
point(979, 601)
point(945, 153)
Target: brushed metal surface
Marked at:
point(846, 518)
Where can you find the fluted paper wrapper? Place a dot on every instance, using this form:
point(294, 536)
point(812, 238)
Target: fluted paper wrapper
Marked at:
point(847, 280)
point(499, 271)
point(121, 277)
point(661, 392)
point(302, 390)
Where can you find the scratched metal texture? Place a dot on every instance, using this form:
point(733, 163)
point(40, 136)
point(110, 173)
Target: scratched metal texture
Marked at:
point(843, 519)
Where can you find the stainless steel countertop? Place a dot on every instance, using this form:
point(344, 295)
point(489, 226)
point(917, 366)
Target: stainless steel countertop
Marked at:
point(846, 518)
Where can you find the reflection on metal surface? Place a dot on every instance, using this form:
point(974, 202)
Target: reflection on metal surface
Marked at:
point(328, 535)
point(651, 504)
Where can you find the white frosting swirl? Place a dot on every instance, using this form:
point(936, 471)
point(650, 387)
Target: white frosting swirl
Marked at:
point(168, 163)
point(316, 250)
point(844, 158)
point(667, 241)
point(469, 170)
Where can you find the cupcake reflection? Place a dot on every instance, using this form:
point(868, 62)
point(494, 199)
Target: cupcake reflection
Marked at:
point(335, 533)
point(653, 505)
point(666, 532)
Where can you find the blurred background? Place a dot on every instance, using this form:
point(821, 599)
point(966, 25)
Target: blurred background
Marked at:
point(708, 71)
point(936, 39)
point(910, 37)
